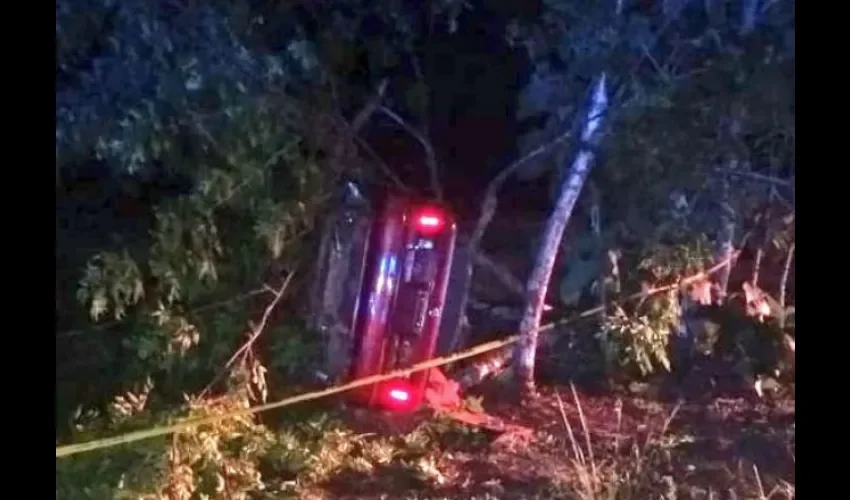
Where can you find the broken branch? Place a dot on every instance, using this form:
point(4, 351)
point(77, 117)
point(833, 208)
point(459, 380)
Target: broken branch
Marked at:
point(258, 329)
point(255, 331)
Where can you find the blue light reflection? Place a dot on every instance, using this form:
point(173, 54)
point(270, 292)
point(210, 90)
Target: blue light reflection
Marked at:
point(387, 270)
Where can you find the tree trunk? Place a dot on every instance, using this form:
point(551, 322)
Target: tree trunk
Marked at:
point(538, 282)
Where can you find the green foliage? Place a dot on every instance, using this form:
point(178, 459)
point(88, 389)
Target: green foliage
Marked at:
point(210, 94)
point(242, 102)
point(741, 342)
point(691, 95)
point(684, 255)
point(293, 351)
point(638, 342)
point(111, 282)
point(109, 473)
point(255, 190)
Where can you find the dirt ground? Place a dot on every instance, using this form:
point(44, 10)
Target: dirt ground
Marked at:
point(584, 445)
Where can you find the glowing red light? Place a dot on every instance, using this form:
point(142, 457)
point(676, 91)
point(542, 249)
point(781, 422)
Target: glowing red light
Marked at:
point(429, 221)
point(399, 395)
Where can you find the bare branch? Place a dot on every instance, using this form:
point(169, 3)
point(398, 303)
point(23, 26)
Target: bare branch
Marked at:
point(665, 75)
point(754, 176)
point(381, 163)
point(258, 329)
point(728, 226)
point(783, 285)
point(430, 154)
point(253, 334)
point(764, 220)
point(488, 210)
point(500, 272)
point(369, 109)
point(488, 206)
point(360, 120)
point(757, 266)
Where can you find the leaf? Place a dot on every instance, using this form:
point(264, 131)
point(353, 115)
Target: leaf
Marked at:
point(99, 305)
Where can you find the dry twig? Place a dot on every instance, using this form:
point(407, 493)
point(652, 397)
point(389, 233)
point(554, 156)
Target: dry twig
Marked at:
point(258, 329)
point(254, 333)
point(783, 285)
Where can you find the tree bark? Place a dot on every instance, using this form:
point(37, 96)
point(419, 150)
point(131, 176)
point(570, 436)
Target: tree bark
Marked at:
point(538, 282)
point(488, 211)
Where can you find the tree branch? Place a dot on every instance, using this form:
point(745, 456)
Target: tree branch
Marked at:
point(430, 154)
point(754, 176)
point(500, 272)
point(255, 331)
point(496, 361)
point(369, 109)
point(783, 285)
point(258, 329)
point(357, 123)
point(191, 310)
point(488, 210)
point(381, 163)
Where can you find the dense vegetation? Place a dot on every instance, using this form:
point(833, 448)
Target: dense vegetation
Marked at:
point(198, 145)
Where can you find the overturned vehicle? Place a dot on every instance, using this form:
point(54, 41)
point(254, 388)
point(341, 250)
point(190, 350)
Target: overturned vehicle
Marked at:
point(380, 295)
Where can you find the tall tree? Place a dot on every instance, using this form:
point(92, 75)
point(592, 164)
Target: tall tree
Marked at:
point(538, 282)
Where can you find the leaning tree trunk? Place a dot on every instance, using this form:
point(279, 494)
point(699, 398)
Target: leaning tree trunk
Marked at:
point(538, 282)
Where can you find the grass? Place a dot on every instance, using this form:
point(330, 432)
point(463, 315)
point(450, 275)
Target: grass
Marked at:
point(645, 472)
point(591, 450)
point(582, 446)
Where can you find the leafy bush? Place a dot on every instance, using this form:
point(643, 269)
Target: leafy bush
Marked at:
point(242, 102)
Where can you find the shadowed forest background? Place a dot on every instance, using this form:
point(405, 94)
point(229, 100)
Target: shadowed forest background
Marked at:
point(200, 144)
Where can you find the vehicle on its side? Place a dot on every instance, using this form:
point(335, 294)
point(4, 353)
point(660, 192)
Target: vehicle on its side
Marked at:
point(382, 275)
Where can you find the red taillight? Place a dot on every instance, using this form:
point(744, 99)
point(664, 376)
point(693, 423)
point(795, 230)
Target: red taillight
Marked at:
point(397, 395)
point(429, 221)
point(400, 395)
